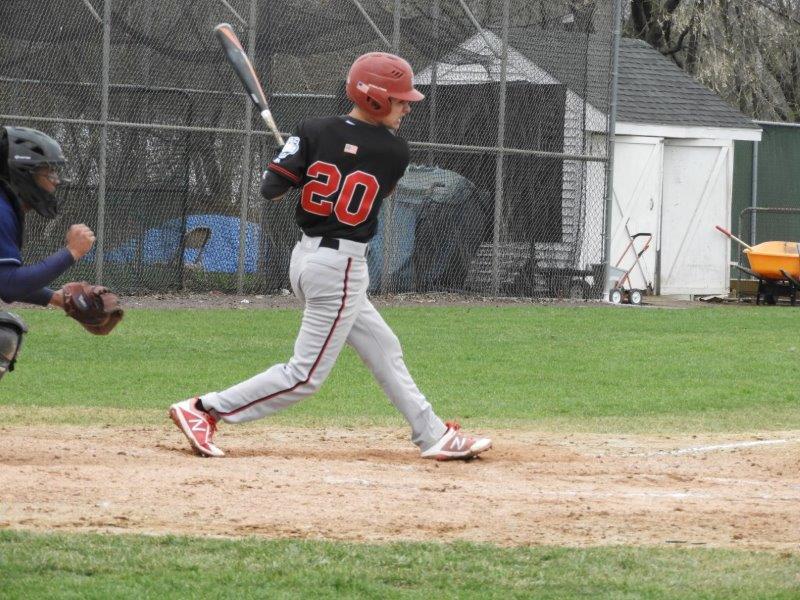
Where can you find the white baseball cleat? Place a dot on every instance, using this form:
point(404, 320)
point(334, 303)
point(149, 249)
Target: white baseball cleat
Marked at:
point(455, 445)
point(198, 426)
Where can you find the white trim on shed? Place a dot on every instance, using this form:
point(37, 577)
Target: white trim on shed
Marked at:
point(677, 132)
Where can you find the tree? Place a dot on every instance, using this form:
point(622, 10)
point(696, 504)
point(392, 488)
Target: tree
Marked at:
point(748, 52)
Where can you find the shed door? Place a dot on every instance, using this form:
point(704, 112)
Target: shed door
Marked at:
point(636, 205)
point(696, 197)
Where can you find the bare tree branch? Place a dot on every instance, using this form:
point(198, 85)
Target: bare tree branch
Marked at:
point(679, 44)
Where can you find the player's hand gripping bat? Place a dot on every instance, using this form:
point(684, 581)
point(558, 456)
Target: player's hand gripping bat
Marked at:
point(244, 69)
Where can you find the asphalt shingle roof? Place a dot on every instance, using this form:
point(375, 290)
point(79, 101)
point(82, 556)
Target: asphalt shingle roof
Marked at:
point(653, 89)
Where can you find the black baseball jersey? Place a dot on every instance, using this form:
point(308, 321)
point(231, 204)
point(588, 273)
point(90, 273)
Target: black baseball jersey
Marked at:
point(345, 168)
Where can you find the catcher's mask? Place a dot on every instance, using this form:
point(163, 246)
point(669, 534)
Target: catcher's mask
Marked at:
point(34, 164)
point(12, 328)
point(376, 77)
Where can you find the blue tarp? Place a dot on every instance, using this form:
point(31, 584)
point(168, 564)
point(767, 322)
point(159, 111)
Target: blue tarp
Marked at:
point(220, 255)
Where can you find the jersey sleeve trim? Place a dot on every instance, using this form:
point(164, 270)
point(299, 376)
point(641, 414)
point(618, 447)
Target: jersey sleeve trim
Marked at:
point(10, 261)
point(284, 172)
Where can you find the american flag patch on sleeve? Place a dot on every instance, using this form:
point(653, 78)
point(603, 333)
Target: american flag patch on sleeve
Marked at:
point(350, 148)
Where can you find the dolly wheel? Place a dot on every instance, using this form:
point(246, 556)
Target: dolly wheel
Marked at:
point(615, 296)
point(635, 297)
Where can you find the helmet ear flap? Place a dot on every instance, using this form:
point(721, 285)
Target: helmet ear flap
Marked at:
point(377, 98)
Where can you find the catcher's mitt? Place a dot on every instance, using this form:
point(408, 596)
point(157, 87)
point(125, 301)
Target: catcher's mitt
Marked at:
point(93, 306)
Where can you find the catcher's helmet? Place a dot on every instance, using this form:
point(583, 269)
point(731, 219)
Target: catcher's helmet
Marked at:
point(377, 76)
point(29, 150)
point(11, 330)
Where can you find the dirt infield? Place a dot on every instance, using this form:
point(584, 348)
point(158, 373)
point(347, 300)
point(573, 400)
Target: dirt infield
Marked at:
point(369, 485)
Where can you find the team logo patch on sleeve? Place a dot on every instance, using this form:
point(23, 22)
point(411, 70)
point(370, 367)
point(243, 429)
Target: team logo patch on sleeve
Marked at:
point(350, 149)
point(291, 147)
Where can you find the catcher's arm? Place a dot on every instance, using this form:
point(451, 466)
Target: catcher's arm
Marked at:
point(80, 240)
point(27, 283)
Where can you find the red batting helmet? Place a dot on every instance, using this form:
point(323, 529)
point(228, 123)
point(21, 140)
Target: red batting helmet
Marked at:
point(377, 76)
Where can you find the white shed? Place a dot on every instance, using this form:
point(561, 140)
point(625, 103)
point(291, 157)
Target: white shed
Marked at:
point(673, 172)
point(673, 154)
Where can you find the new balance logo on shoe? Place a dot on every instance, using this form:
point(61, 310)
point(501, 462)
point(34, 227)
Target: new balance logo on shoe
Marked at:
point(455, 445)
point(196, 425)
point(458, 442)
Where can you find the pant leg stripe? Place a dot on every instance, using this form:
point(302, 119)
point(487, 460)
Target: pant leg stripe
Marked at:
point(316, 361)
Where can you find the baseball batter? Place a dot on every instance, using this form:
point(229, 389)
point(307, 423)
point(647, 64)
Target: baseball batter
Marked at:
point(345, 166)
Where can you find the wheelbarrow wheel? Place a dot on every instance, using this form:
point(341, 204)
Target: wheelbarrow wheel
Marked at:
point(615, 296)
point(635, 297)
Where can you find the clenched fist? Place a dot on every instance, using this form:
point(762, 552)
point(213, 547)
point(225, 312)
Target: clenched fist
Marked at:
point(80, 240)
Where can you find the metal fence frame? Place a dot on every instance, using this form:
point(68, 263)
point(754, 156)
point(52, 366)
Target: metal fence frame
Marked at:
point(499, 150)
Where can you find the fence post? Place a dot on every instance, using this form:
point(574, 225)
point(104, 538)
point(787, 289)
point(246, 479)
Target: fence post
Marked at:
point(396, 27)
point(248, 136)
point(102, 157)
point(498, 172)
point(434, 82)
point(389, 240)
point(612, 127)
point(754, 195)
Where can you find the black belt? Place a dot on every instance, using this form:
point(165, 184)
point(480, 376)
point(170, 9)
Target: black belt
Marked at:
point(329, 242)
point(333, 243)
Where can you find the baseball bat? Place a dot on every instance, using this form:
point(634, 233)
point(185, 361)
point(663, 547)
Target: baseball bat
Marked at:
point(247, 75)
point(730, 235)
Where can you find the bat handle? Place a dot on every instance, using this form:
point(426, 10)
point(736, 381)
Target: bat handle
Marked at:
point(266, 114)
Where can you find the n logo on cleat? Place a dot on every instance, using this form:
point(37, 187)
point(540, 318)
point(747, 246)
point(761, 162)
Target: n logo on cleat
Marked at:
point(458, 443)
point(197, 425)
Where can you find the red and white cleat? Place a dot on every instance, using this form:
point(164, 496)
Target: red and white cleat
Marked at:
point(455, 445)
point(198, 426)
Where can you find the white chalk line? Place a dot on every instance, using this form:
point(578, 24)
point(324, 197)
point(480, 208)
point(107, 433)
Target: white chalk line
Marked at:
point(685, 495)
point(715, 447)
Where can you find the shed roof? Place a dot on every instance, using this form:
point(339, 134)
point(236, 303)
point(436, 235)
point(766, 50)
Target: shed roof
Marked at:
point(652, 88)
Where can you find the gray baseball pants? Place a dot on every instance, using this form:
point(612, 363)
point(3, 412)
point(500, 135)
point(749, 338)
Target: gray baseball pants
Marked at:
point(333, 285)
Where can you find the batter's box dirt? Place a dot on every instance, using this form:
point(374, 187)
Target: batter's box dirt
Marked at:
point(370, 485)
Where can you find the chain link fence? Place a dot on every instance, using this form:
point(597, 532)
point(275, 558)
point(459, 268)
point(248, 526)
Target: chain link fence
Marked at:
point(505, 192)
point(766, 195)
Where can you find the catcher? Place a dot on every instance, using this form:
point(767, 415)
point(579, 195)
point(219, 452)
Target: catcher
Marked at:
point(30, 162)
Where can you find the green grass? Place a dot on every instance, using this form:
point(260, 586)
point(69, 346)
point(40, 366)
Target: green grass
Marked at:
point(595, 368)
point(96, 566)
point(598, 368)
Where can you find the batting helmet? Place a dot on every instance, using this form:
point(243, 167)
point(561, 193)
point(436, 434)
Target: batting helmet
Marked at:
point(26, 151)
point(12, 329)
point(377, 76)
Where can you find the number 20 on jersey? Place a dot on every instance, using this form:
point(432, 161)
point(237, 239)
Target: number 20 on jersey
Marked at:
point(319, 195)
